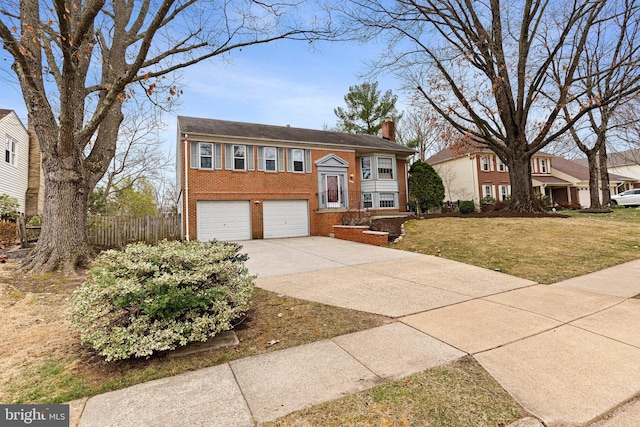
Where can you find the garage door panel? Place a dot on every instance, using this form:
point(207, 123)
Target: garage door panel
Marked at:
point(224, 220)
point(285, 218)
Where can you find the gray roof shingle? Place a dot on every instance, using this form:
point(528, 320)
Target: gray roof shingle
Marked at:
point(213, 127)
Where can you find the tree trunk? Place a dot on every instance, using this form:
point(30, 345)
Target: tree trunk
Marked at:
point(593, 180)
point(522, 197)
point(604, 175)
point(63, 245)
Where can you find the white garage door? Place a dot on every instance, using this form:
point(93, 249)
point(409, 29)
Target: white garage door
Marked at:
point(224, 220)
point(285, 218)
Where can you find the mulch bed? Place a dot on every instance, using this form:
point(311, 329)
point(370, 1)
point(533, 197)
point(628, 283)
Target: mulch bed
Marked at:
point(394, 225)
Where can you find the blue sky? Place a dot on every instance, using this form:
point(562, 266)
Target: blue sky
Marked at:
point(281, 83)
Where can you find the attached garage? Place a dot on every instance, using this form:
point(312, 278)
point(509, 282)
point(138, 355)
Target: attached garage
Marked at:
point(285, 218)
point(223, 220)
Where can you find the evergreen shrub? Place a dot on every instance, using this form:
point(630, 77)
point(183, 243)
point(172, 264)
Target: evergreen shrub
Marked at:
point(148, 299)
point(467, 206)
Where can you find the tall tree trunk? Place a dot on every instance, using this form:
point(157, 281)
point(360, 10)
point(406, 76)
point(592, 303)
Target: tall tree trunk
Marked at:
point(522, 197)
point(604, 175)
point(66, 195)
point(594, 194)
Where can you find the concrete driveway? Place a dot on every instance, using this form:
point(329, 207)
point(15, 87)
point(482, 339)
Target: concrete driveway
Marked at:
point(369, 278)
point(568, 352)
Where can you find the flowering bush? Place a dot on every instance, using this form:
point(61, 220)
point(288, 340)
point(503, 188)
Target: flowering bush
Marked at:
point(147, 299)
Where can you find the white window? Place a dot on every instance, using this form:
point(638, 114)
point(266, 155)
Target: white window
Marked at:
point(503, 192)
point(485, 163)
point(543, 166)
point(387, 200)
point(239, 157)
point(297, 156)
point(270, 159)
point(10, 151)
point(367, 200)
point(487, 191)
point(206, 156)
point(365, 166)
point(385, 168)
point(501, 166)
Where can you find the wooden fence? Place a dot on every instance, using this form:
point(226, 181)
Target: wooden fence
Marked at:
point(117, 231)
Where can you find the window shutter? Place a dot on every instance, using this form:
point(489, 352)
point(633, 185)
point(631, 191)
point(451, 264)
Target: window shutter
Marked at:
point(194, 155)
point(218, 156)
point(307, 157)
point(250, 158)
point(289, 161)
point(228, 156)
point(260, 158)
point(280, 159)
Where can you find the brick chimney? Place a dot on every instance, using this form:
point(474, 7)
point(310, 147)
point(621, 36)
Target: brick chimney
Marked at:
point(389, 130)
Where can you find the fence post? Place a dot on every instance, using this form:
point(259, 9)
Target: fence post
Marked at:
point(22, 231)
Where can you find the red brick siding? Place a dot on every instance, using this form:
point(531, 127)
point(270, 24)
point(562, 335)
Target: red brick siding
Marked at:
point(361, 235)
point(574, 194)
point(560, 196)
point(401, 166)
point(494, 178)
point(257, 186)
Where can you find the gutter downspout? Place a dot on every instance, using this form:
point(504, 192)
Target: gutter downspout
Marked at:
point(186, 186)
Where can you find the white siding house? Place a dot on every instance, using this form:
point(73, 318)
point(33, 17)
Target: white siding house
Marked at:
point(14, 162)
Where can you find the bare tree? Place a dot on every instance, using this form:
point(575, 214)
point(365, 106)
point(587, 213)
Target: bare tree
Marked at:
point(609, 72)
point(448, 175)
point(486, 67)
point(78, 62)
point(423, 129)
point(139, 153)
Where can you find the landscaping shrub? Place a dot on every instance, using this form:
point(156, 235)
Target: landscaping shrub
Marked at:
point(147, 299)
point(8, 232)
point(467, 206)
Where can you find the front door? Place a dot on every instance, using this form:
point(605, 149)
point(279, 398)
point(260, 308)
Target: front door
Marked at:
point(334, 198)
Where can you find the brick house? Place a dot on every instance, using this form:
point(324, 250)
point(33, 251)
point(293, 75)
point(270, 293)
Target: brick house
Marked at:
point(472, 173)
point(241, 181)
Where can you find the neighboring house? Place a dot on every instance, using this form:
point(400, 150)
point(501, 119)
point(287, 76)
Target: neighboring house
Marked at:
point(472, 173)
point(578, 175)
point(14, 165)
point(241, 181)
point(626, 163)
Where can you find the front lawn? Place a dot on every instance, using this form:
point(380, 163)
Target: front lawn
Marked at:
point(545, 250)
point(41, 360)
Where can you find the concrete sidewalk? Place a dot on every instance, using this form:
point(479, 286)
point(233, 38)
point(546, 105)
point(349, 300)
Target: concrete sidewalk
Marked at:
point(569, 352)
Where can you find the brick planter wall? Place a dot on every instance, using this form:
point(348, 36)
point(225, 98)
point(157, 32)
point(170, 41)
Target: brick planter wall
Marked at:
point(360, 234)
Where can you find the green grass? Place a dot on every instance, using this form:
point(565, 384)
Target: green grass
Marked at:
point(545, 250)
point(459, 394)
